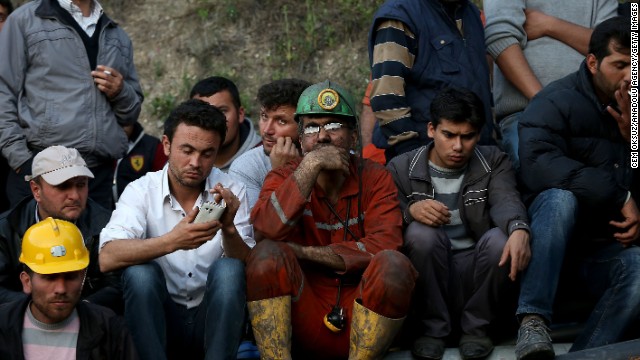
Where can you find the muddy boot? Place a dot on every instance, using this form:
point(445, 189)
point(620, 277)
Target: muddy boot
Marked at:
point(271, 322)
point(371, 333)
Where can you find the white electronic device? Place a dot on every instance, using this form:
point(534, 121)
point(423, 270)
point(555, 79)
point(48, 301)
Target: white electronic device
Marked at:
point(210, 211)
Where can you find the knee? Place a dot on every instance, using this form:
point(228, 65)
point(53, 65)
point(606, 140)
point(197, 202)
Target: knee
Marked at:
point(492, 244)
point(227, 273)
point(421, 239)
point(394, 271)
point(264, 259)
point(388, 283)
point(629, 267)
point(143, 279)
point(557, 204)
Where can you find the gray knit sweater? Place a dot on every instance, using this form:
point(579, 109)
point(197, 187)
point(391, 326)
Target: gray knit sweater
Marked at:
point(548, 58)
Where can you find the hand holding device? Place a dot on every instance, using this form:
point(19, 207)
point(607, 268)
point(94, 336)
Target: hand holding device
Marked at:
point(210, 211)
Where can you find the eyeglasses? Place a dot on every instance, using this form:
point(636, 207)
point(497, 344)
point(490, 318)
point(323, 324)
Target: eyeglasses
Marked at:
point(331, 128)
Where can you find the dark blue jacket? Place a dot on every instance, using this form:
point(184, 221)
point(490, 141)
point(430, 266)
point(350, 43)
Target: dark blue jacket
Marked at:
point(443, 58)
point(102, 336)
point(145, 154)
point(569, 141)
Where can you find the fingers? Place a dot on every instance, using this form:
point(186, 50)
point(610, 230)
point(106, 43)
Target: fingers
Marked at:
point(614, 113)
point(280, 144)
point(524, 261)
point(621, 224)
point(108, 80)
point(514, 269)
point(505, 255)
point(283, 151)
point(431, 212)
point(438, 218)
point(191, 215)
point(630, 230)
point(627, 236)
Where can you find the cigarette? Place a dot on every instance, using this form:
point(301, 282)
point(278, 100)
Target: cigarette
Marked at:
point(107, 72)
point(629, 92)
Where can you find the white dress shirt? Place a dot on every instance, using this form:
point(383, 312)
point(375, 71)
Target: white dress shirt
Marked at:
point(146, 209)
point(87, 23)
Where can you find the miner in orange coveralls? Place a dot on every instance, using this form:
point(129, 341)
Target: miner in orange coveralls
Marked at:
point(330, 283)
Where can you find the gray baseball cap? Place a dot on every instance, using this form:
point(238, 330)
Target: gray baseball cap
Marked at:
point(57, 164)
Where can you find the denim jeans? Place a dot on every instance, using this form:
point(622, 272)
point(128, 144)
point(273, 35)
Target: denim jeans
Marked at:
point(509, 131)
point(553, 217)
point(611, 271)
point(613, 274)
point(158, 324)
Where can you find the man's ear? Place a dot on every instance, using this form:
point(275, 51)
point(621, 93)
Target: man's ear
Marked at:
point(592, 64)
point(431, 131)
point(25, 279)
point(354, 139)
point(240, 115)
point(166, 145)
point(35, 190)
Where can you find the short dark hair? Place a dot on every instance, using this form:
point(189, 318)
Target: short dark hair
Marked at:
point(27, 269)
point(281, 92)
point(198, 113)
point(457, 105)
point(617, 29)
point(8, 5)
point(213, 85)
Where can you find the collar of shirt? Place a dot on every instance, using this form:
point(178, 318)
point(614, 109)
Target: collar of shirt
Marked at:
point(37, 217)
point(88, 23)
point(205, 195)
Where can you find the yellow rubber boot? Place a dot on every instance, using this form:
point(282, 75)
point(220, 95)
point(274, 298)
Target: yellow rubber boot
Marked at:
point(371, 333)
point(271, 322)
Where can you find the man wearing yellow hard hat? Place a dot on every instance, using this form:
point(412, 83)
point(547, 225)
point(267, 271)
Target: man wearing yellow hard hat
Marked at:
point(52, 322)
point(59, 183)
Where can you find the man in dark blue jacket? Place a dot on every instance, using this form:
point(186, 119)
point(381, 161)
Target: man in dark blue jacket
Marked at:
point(416, 49)
point(576, 168)
point(51, 321)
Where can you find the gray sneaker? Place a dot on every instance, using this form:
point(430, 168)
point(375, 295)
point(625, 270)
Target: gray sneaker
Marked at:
point(534, 341)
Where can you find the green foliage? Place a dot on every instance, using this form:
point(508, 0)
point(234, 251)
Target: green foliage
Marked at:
point(158, 69)
point(162, 105)
point(232, 11)
point(203, 13)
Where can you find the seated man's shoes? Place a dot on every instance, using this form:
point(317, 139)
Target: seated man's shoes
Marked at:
point(426, 347)
point(475, 347)
point(534, 341)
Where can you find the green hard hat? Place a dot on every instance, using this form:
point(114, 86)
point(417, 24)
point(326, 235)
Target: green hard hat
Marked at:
point(325, 98)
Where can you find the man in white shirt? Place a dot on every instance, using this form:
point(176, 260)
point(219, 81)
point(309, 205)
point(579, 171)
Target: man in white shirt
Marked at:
point(183, 282)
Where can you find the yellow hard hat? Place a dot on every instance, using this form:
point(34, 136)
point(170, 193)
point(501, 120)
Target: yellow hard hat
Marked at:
point(54, 246)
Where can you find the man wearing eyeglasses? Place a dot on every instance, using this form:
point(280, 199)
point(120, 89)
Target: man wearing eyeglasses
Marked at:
point(329, 283)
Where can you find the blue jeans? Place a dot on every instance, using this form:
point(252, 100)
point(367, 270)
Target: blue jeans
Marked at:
point(553, 216)
point(612, 272)
point(509, 131)
point(158, 324)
